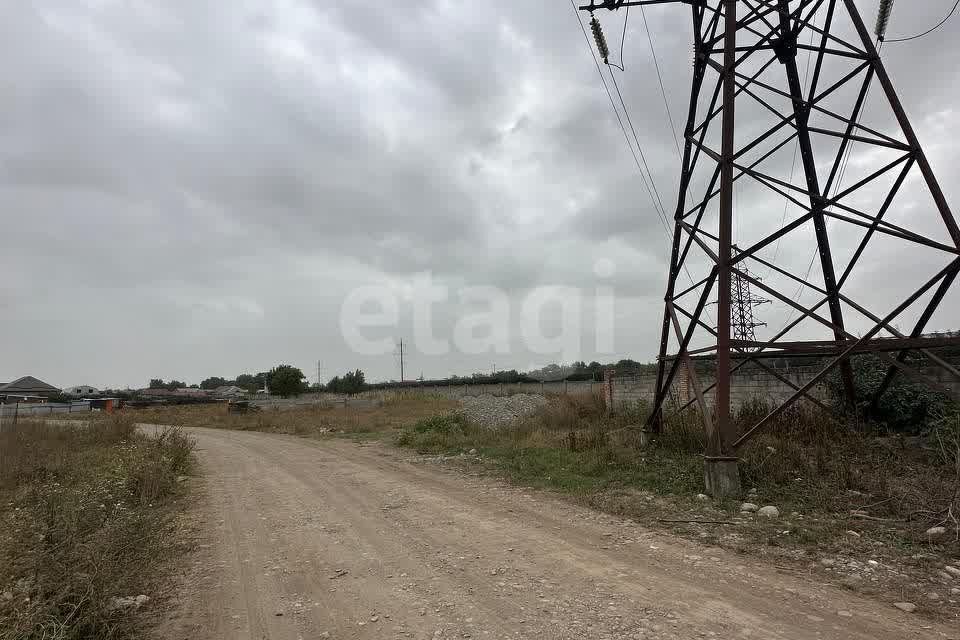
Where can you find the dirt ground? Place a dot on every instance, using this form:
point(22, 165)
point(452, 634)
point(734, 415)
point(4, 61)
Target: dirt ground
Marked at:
point(301, 539)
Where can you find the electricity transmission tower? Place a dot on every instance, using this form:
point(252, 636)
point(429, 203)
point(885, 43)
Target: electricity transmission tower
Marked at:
point(743, 320)
point(771, 77)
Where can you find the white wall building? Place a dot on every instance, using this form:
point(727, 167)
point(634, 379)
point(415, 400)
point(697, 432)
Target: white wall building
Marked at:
point(83, 390)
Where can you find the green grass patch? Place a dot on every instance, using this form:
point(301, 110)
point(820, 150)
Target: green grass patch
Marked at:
point(595, 470)
point(571, 446)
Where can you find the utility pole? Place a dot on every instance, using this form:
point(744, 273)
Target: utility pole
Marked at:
point(401, 360)
point(319, 375)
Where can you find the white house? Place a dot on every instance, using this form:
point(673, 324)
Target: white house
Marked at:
point(83, 390)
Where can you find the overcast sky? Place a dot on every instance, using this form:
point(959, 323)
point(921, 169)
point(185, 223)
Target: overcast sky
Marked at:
point(193, 188)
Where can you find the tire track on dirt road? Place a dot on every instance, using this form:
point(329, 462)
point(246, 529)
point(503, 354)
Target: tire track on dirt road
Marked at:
point(330, 539)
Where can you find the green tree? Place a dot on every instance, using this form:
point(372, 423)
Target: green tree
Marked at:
point(285, 380)
point(174, 384)
point(251, 382)
point(351, 382)
point(157, 383)
point(334, 385)
point(214, 382)
point(246, 382)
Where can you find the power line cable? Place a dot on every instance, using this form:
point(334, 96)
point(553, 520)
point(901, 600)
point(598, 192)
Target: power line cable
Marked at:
point(663, 92)
point(928, 31)
point(623, 128)
point(623, 39)
point(654, 194)
point(662, 210)
point(636, 138)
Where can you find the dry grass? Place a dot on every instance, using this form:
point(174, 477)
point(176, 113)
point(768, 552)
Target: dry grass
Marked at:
point(844, 493)
point(570, 445)
point(86, 516)
point(811, 460)
point(370, 419)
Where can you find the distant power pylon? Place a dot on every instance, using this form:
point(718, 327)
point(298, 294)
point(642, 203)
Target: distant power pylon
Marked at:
point(743, 320)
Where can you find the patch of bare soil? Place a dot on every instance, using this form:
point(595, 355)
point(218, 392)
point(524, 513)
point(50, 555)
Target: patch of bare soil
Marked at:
point(330, 539)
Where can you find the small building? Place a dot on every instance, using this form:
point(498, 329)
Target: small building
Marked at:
point(26, 389)
point(82, 391)
point(229, 391)
point(107, 405)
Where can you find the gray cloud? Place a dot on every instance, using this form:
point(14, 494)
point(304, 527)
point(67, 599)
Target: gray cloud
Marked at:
point(192, 188)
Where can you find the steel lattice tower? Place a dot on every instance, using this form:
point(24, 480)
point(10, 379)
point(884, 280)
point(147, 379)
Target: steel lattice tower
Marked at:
point(743, 320)
point(749, 104)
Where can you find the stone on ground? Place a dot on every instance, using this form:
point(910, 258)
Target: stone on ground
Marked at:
point(494, 412)
point(127, 602)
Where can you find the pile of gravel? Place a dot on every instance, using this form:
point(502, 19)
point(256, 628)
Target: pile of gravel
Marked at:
point(495, 412)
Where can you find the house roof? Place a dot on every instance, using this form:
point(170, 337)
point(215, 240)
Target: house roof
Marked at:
point(28, 384)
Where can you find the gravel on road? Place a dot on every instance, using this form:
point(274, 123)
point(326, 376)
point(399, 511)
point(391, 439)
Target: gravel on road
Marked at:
point(301, 538)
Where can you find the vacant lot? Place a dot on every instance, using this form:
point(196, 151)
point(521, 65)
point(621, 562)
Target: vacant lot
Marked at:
point(327, 538)
point(368, 420)
point(87, 526)
point(854, 508)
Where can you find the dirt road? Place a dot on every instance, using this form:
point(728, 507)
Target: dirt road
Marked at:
point(331, 539)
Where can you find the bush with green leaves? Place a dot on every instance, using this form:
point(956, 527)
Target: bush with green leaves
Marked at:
point(285, 380)
point(350, 382)
point(906, 405)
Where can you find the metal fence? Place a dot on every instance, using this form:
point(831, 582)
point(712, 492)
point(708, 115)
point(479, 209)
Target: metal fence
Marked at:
point(29, 410)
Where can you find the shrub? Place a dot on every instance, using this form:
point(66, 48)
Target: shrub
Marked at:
point(435, 434)
point(906, 405)
point(86, 516)
point(444, 424)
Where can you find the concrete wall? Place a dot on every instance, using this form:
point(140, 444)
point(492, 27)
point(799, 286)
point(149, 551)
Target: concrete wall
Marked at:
point(533, 388)
point(619, 390)
point(747, 384)
point(449, 391)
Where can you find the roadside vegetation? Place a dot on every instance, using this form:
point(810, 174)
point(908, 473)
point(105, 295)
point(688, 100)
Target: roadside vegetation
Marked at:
point(359, 418)
point(872, 505)
point(855, 502)
point(87, 524)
